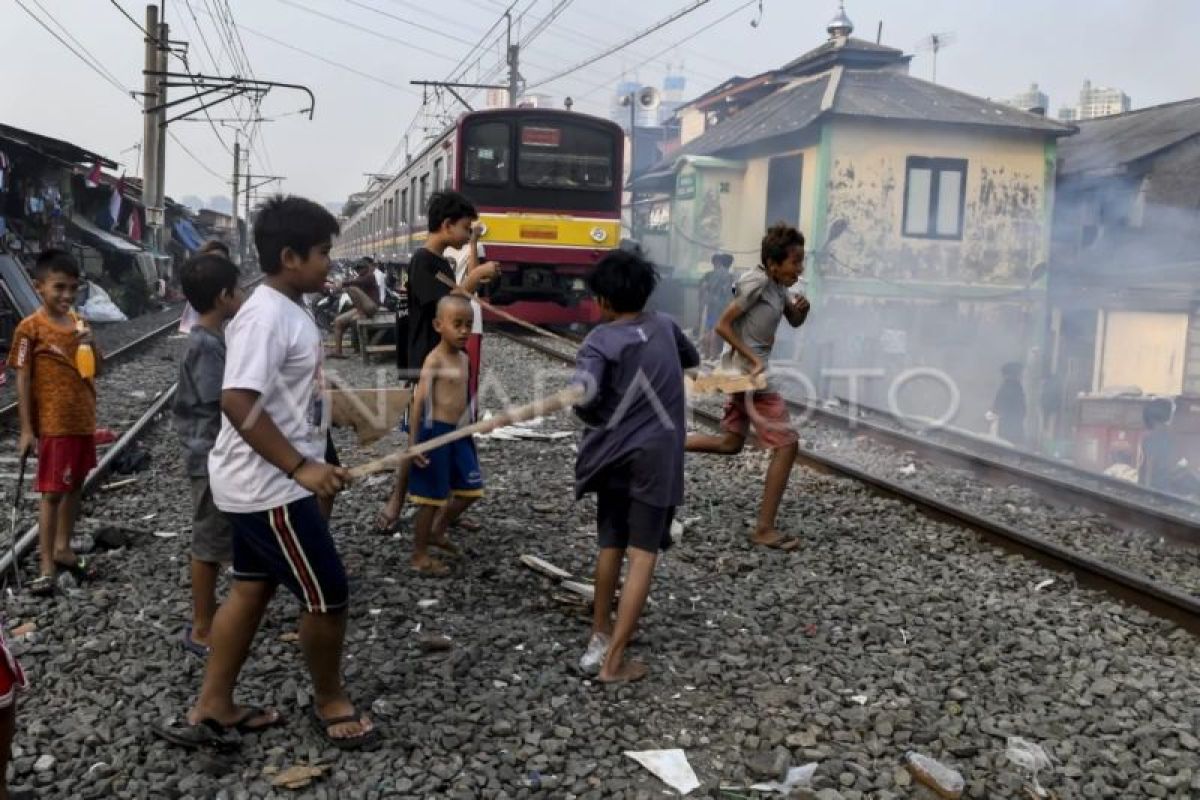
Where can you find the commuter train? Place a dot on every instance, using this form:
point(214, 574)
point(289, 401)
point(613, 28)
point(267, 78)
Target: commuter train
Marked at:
point(547, 185)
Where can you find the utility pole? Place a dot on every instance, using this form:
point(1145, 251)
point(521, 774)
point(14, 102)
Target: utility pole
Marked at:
point(244, 247)
point(150, 129)
point(164, 52)
point(514, 61)
point(237, 234)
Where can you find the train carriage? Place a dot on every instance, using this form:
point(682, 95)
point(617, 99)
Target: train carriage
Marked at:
point(547, 184)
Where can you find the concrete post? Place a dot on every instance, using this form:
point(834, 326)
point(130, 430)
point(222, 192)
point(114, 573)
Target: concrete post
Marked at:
point(150, 130)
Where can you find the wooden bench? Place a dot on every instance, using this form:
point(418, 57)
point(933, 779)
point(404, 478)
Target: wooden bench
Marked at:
point(370, 331)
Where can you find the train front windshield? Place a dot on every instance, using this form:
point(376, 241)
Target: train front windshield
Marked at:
point(558, 165)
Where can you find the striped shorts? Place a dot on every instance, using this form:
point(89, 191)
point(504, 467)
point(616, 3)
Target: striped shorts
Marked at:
point(291, 545)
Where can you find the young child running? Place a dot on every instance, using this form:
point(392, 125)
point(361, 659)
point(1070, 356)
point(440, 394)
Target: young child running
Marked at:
point(264, 470)
point(748, 325)
point(631, 454)
point(447, 481)
point(210, 284)
point(57, 406)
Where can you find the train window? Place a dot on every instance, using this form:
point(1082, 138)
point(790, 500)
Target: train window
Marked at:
point(425, 191)
point(437, 175)
point(486, 148)
point(558, 156)
point(404, 205)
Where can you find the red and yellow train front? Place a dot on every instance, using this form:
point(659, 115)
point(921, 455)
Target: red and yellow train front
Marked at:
point(547, 185)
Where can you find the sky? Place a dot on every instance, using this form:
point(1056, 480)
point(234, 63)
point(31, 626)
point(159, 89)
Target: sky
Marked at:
point(364, 103)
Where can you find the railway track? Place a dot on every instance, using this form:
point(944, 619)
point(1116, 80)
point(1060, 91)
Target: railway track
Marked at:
point(1156, 596)
point(158, 402)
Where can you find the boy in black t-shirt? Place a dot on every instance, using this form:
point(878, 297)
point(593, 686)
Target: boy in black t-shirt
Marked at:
point(450, 217)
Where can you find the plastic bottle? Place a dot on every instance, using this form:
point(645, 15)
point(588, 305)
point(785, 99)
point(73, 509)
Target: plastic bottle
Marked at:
point(85, 356)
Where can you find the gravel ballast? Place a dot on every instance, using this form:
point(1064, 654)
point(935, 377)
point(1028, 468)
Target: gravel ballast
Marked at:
point(886, 632)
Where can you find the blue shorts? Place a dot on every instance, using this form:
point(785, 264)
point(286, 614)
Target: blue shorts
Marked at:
point(453, 470)
point(291, 545)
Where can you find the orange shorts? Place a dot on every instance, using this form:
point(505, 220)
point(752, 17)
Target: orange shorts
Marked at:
point(63, 462)
point(767, 412)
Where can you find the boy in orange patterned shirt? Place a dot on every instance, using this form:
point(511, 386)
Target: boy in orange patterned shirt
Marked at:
point(57, 406)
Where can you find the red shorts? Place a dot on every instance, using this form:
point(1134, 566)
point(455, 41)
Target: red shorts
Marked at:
point(767, 412)
point(63, 462)
point(12, 677)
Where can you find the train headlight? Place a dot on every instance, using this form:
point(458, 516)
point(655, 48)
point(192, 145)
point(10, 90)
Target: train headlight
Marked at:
point(482, 229)
point(599, 234)
point(577, 285)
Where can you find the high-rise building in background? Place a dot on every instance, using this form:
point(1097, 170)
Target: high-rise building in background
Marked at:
point(1030, 99)
point(674, 85)
point(1099, 101)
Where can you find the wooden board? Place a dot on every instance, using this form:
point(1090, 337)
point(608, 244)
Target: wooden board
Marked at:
point(725, 382)
point(372, 413)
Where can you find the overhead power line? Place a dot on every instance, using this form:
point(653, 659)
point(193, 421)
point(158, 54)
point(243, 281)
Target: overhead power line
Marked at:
point(623, 44)
point(368, 31)
point(96, 67)
point(427, 28)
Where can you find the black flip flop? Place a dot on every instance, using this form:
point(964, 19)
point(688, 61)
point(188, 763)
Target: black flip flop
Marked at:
point(41, 586)
point(207, 733)
point(190, 645)
point(244, 727)
point(364, 741)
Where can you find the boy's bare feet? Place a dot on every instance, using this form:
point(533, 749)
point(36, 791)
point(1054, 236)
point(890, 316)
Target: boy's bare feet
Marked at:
point(774, 540)
point(427, 565)
point(446, 546)
point(627, 672)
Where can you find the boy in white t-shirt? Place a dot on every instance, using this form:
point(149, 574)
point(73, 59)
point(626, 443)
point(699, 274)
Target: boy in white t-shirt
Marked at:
point(266, 470)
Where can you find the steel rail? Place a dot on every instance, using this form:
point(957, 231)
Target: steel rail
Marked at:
point(1159, 599)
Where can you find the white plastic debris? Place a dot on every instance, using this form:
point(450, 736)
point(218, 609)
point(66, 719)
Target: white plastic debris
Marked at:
point(910, 469)
point(861, 699)
point(1044, 584)
point(100, 307)
point(166, 534)
point(944, 781)
point(1030, 757)
point(796, 778)
point(426, 603)
point(669, 766)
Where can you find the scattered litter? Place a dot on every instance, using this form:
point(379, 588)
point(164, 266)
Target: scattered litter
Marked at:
point(1044, 584)
point(166, 534)
point(374, 612)
point(1030, 757)
point(290, 636)
point(945, 782)
point(861, 699)
point(435, 643)
point(677, 528)
point(810, 630)
point(545, 567)
point(669, 766)
point(108, 487)
point(21, 631)
point(584, 590)
point(796, 778)
point(149, 516)
point(910, 469)
point(296, 777)
point(427, 603)
point(138, 394)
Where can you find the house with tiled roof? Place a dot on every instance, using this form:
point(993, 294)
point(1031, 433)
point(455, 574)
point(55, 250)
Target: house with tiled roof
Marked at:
point(941, 203)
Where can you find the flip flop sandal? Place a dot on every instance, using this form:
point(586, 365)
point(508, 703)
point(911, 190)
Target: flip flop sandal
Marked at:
point(244, 727)
point(191, 645)
point(448, 547)
point(83, 569)
point(466, 525)
point(207, 733)
point(363, 741)
point(42, 586)
point(388, 528)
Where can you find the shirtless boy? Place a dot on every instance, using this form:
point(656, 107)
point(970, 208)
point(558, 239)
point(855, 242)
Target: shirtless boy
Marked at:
point(447, 480)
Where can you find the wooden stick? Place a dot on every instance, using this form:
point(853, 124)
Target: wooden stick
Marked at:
point(509, 416)
point(725, 382)
point(515, 320)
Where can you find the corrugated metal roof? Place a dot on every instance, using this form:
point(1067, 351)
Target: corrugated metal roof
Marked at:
point(786, 111)
point(872, 94)
point(882, 94)
point(1108, 142)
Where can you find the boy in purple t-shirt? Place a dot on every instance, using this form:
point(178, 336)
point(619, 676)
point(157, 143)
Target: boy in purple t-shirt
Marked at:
point(631, 455)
